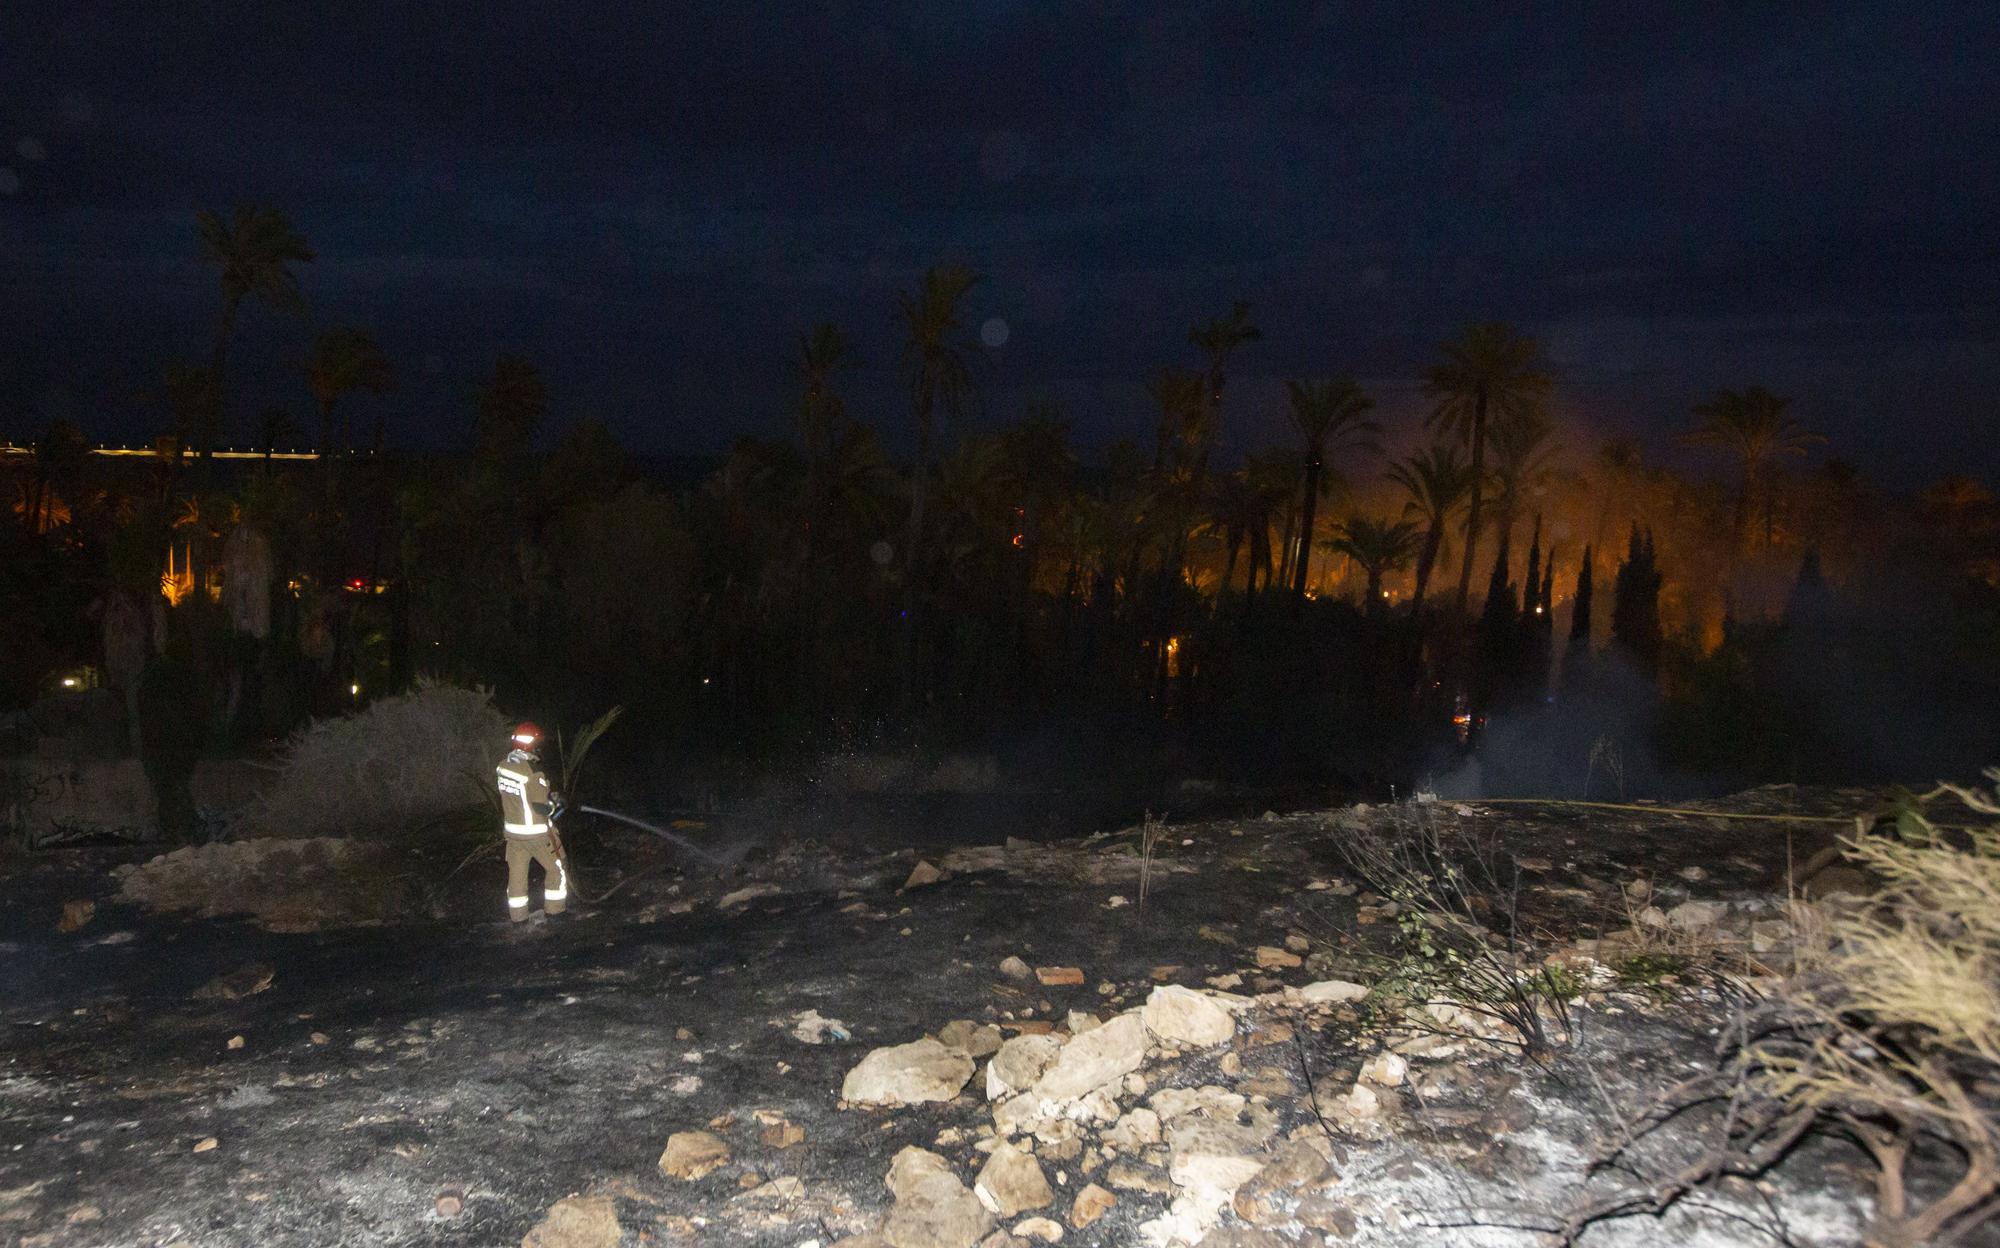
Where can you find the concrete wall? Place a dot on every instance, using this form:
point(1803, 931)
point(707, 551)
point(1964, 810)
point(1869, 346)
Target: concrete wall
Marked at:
point(48, 798)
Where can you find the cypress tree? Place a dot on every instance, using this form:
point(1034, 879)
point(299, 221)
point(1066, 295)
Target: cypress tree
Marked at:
point(1579, 615)
point(1635, 606)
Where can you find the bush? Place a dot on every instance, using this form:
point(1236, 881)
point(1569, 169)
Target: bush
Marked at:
point(402, 764)
point(172, 726)
point(1888, 1035)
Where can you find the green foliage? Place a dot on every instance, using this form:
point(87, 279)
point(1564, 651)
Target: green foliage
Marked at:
point(173, 725)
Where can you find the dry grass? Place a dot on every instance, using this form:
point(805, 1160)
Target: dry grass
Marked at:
point(400, 765)
point(1888, 1034)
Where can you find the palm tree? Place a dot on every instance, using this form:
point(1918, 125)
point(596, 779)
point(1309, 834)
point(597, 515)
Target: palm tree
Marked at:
point(1238, 512)
point(938, 359)
point(1380, 547)
point(254, 249)
point(1488, 373)
point(824, 354)
point(1329, 415)
point(1753, 426)
point(343, 361)
point(1523, 462)
point(1217, 340)
point(1275, 472)
point(1438, 483)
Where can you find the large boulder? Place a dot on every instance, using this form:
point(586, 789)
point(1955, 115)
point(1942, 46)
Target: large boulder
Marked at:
point(1094, 1059)
point(907, 1074)
point(1183, 1016)
point(577, 1222)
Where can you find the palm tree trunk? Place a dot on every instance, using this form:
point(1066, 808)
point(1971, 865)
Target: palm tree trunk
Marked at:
point(1229, 566)
point(1478, 490)
point(1303, 565)
point(1433, 538)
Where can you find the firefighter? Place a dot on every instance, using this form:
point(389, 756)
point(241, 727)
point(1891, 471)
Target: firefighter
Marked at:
point(529, 810)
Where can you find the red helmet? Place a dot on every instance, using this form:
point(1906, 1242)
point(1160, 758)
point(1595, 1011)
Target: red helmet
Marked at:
point(527, 736)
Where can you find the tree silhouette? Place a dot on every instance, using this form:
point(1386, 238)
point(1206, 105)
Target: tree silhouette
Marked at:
point(343, 361)
point(1489, 373)
point(1438, 483)
point(1378, 547)
point(253, 249)
point(1328, 415)
point(1753, 426)
point(1635, 605)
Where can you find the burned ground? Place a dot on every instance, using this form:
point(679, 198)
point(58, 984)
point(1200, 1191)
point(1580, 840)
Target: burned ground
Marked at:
point(384, 1070)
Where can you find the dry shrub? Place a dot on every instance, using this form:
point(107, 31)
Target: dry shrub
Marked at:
point(403, 764)
point(1888, 1034)
point(1464, 967)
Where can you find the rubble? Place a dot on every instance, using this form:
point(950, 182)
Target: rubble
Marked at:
point(933, 1208)
point(906, 1074)
point(1012, 1182)
point(577, 1222)
point(693, 1155)
point(1094, 1059)
point(1183, 1016)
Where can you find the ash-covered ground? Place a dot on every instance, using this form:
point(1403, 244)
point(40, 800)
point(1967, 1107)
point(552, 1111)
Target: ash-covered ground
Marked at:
point(172, 1079)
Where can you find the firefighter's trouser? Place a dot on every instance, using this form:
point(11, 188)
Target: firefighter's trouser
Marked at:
point(521, 850)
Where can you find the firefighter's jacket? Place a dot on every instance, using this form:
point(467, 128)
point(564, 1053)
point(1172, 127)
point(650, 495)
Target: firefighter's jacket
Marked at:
point(524, 796)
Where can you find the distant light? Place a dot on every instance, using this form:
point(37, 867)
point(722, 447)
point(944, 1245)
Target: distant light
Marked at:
point(704, 680)
point(69, 682)
point(355, 689)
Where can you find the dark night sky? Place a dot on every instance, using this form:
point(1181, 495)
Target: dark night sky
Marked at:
point(651, 200)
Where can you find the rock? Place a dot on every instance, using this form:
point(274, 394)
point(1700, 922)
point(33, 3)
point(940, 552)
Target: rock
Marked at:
point(1272, 958)
point(783, 1135)
point(1297, 943)
point(1184, 1016)
point(236, 1042)
point(1833, 881)
point(692, 1155)
point(1361, 1103)
point(1137, 1130)
point(1212, 1157)
point(577, 1222)
point(75, 915)
point(1695, 916)
point(206, 1145)
point(809, 1028)
point(1294, 1167)
point(1129, 1176)
point(1653, 916)
point(1092, 1203)
point(912, 1165)
point(906, 1074)
point(1225, 982)
point(743, 896)
point(1015, 969)
point(245, 981)
point(1326, 1214)
point(1386, 1069)
point(1080, 1021)
point(1059, 976)
point(1012, 1182)
point(1043, 1229)
point(921, 874)
point(449, 1203)
point(1003, 1239)
point(1243, 1237)
point(933, 1208)
point(1770, 935)
point(1019, 1063)
point(1094, 1059)
point(1211, 1099)
point(1693, 875)
point(962, 1035)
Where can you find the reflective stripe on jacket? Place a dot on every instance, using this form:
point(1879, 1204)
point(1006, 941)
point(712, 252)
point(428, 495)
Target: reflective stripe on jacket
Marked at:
point(524, 796)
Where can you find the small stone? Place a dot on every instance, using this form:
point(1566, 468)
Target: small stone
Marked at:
point(692, 1155)
point(76, 915)
point(1225, 982)
point(245, 981)
point(1272, 958)
point(1012, 1182)
point(1059, 976)
point(1386, 1069)
point(1230, 1065)
point(206, 1145)
point(1015, 969)
point(1332, 992)
point(1694, 875)
point(1019, 1063)
point(1136, 1131)
point(1043, 1229)
point(921, 874)
point(449, 1203)
point(783, 1135)
point(236, 1042)
point(319, 1037)
point(1092, 1203)
point(962, 1035)
point(577, 1222)
point(1131, 1177)
point(1297, 943)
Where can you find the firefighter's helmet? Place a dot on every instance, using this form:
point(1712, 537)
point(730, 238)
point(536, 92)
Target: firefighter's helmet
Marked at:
point(527, 736)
